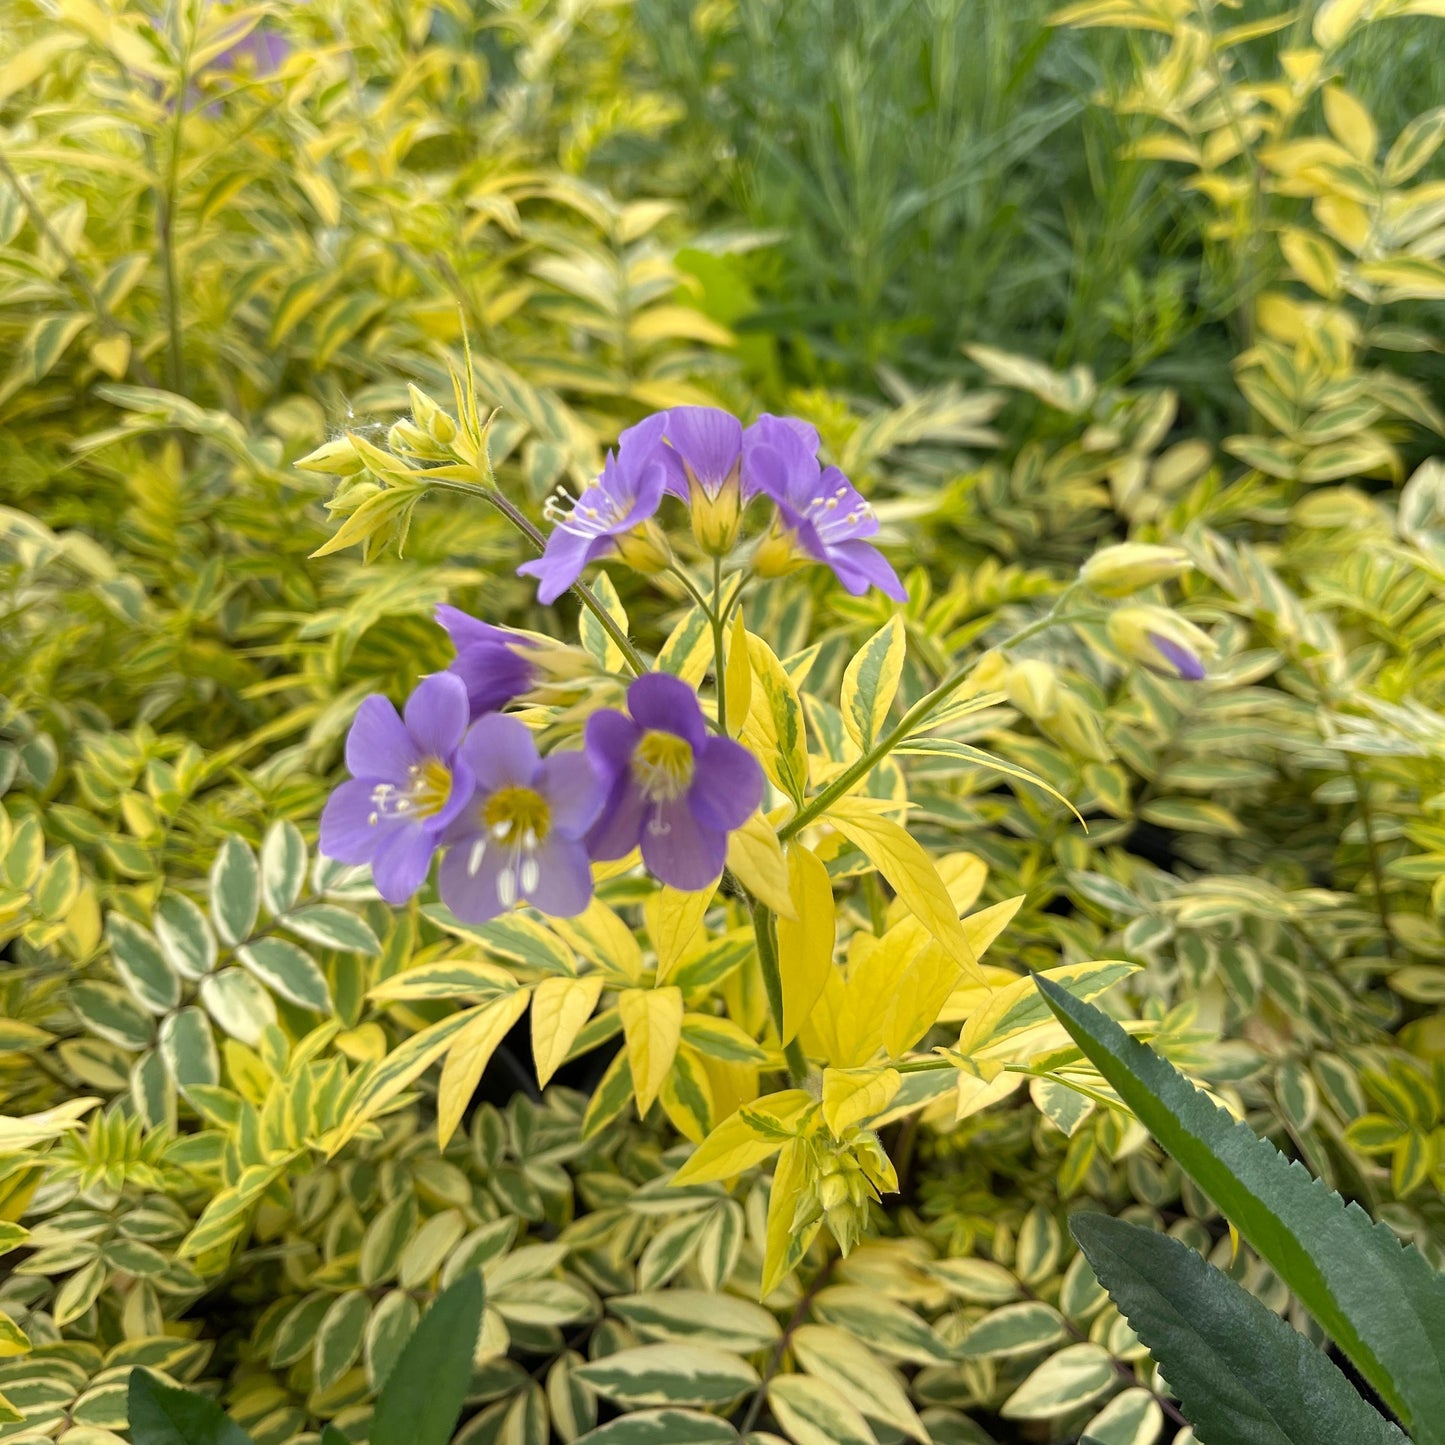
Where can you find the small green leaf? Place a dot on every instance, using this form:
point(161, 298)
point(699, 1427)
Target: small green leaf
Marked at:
point(283, 866)
point(235, 891)
point(286, 970)
point(1241, 1373)
point(332, 927)
point(160, 1414)
point(1379, 1300)
point(423, 1395)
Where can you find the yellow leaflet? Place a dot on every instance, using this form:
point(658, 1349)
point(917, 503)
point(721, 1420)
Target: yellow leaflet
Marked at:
point(976, 1094)
point(673, 920)
point(365, 1043)
point(560, 1006)
point(686, 1095)
point(741, 1140)
point(911, 874)
point(785, 1244)
point(616, 867)
point(851, 1096)
point(469, 1056)
point(652, 1025)
point(775, 729)
point(1020, 1009)
point(28, 1129)
point(447, 978)
point(688, 649)
point(739, 678)
point(805, 943)
point(602, 938)
point(828, 1033)
point(13, 1340)
point(929, 981)
point(873, 983)
point(250, 1078)
point(963, 874)
point(756, 859)
point(870, 682)
point(731, 1085)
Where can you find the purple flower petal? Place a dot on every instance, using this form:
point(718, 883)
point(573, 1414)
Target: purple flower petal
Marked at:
point(780, 459)
point(494, 674)
point(645, 435)
point(611, 738)
point(500, 753)
point(709, 440)
point(680, 850)
point(347, 832)
point(378, 745)
point(564, 883)
point(619, 828)
point(464, 630)
point(437, 714)
point(728, 785)
point(561, 562)
point(401, 862)
point(472, 895)
point(573, 791)
point(860, 565)
point(1184, 664)
point(659, 701)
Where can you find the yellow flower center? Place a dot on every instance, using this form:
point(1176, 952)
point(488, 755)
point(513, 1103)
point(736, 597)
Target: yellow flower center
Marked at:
point(663, 766)
point(517, 815)
point(424, 794)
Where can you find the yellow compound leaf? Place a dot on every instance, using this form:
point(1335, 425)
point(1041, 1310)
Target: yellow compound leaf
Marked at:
point(871, 682)
point(1351, 124)
point(560, 1006)
point(469, 1056)
point(775, 729)
point(754, 1133)
point(652, 1026)
point(805, 942)
point(786, 1245)
point(673, 920)
point(13, 1340)
point(686, 1095)
point(756, 859)
point(851, 1096)
point(910, 873)
point(602, 938)
point(739, 678)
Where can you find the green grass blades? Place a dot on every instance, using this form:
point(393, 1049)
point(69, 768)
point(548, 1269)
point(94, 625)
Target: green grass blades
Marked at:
point(1243, 1375)
point(161, 1414)
point(1380, 1301)
point(423, 1396)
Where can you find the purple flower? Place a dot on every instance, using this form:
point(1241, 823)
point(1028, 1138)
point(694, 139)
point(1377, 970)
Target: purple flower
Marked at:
point(821, 514)
point(1181, 662)
point(671, 787)
point(612, 515)
point(408, 782)
point(1162, 640)
point(490, 660)
point(521, 834)
point(707, 444)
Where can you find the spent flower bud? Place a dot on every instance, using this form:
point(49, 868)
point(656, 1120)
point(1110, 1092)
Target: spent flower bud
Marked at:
point(1129, 567)
point(1162, 641)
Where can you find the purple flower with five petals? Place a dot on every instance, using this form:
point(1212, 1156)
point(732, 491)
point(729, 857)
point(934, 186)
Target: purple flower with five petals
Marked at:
point(671, 787)
point(707, 450)
point(521, 835)
point(822, 516)
point(407, 784)
point(612, 515)
point(491, 661)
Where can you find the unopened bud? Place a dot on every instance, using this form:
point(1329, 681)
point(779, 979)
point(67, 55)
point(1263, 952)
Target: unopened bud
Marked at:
point(644, 548)
point(1032, 689)
point(337, 459)
point(1162, 641)
point(1131, 566)
point(715, 519)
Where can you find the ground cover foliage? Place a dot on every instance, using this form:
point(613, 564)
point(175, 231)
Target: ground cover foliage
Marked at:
point(1160, 271)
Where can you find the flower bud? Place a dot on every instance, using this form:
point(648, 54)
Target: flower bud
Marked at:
point(716, 518)
point(1162, 641)
point(337, 458)
point(1031, 688)
point(776, 555)
point(1131, 566)
point(644, 548)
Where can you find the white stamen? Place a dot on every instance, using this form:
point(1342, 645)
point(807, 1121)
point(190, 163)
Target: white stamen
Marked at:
point(531, 874)
point(474, 862)
point(500, 830)
point(373, 818)
point(507, 887)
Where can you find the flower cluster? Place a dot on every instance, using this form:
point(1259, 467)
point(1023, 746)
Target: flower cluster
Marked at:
point(454, 772)
point(706, 458)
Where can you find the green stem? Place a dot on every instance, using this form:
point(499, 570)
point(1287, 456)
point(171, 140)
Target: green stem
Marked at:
point(719, 649)
point(909, 723)
point(773, 984)
point(166, 223)
point(585, 594)
point(1377, 871)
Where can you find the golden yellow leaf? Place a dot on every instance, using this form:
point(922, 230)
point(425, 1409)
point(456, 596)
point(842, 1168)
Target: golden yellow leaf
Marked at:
point(911, 874)
point(673, 920)
point(469, 1056)
point(602, 938)
point(652, 1026)
point(775, 729)
point(739, 675)
point(111, 354)
point(786, 1244)
point(870, 682)
point(756, 860)
point(560, 1006)
point(851, 1096)
point(686, 1095)
point(746, 1138)
point(1351, 124)
point(805, 942)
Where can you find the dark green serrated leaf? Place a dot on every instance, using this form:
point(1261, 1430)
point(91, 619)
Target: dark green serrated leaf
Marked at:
point(160, 1414)
point(1241, 1373)
point(422, 1397)
point(1381, 1302)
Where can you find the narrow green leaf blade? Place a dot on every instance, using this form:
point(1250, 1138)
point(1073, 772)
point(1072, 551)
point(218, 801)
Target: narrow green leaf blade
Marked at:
point(1381, 1302)
point(423, 1396)
point(160, 1414)
point(1242, 1374)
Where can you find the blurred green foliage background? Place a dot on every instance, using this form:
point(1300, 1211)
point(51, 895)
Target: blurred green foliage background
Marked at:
point(1161, 269)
